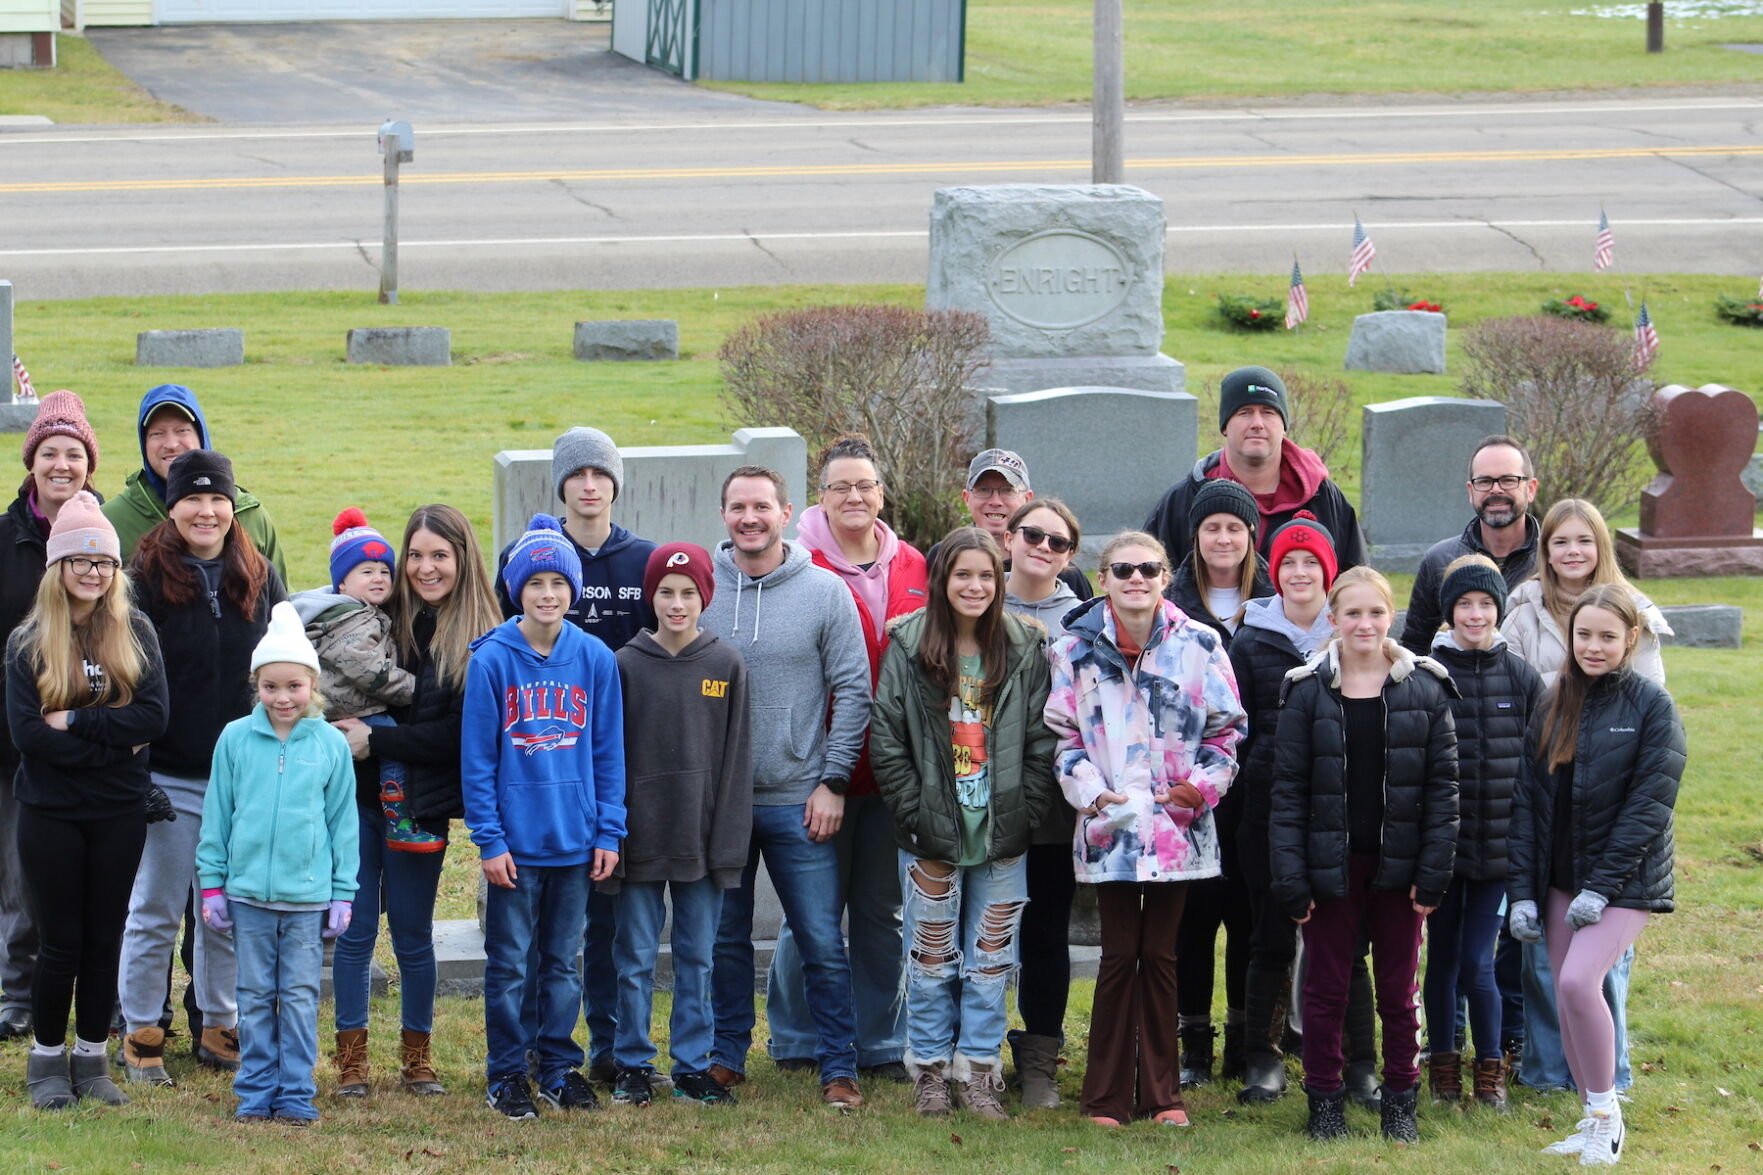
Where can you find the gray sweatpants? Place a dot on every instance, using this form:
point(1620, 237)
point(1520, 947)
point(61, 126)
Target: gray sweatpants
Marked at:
point(163, 884)
point(18, 935)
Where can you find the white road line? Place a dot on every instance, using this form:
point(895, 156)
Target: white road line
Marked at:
point(888, 234)
point(1274, 114)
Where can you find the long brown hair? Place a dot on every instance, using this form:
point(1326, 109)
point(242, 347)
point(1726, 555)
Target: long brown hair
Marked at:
point(1607, 570)
point(1245, 573)
point(244, 571)
point(1560, 735)
point(936, 650)
point(467, 613)
point(58, 647)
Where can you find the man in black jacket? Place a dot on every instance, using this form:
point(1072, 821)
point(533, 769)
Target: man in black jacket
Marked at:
point(1502, 485)
point(1253, 415)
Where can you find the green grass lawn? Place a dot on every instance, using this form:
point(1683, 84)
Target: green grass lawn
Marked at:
point(1032, 52)
point(82, 88)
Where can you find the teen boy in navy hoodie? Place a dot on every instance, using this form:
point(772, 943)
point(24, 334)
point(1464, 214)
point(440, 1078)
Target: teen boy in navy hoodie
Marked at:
point(542, 768)
point(587, 473)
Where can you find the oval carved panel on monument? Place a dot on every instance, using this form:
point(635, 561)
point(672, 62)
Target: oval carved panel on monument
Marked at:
point(1059, 279)
point(1703, 440)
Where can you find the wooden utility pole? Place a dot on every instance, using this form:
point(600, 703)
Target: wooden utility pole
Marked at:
point(1108, 103)
point(1655, 27)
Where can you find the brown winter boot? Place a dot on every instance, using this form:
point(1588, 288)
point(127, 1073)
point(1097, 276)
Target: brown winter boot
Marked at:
point(1444, 1078)
point(1490, 1083)
point(143, 1056)
point(417, 1068)
point(351, 1061)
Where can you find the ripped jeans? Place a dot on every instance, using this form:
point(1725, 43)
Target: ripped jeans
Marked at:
point(961, 938)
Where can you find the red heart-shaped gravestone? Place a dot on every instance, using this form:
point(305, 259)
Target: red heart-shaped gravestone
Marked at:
point(1703, 439)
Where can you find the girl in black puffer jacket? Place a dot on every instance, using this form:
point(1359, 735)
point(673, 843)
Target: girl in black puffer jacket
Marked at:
point(1363, 834)
point(1592, 852)
point(1498, 693)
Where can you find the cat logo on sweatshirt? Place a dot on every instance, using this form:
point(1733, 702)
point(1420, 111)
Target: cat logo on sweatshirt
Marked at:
point(714, 689)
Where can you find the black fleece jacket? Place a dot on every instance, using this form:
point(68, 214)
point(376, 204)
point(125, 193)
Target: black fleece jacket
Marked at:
point(1627, 765)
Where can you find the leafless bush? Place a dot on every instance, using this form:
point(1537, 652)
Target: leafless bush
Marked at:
point(903, 377)
point(1322, 417)
point(1573, 397)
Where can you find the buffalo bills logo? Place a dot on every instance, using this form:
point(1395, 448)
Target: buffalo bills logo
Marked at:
point(377, 551)
point(549, 739)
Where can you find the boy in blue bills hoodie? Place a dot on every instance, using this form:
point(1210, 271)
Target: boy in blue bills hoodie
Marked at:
point(542, 766)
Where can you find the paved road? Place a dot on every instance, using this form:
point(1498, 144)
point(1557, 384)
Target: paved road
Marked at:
point(722, 200)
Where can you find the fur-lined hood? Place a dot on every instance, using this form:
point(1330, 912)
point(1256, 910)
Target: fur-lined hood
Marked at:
point(1326, 665)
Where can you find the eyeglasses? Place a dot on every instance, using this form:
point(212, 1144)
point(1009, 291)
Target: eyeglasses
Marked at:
point(994, 491)
point(1125, 570)
point(1034, 536)
point(1508, 482)
point(840, 488)
point(104, 567)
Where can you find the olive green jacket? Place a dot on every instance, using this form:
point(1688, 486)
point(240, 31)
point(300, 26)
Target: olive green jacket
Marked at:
point(138, 510)
point(910, 747)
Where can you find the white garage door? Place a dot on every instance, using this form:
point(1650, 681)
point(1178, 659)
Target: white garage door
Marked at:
point(229, 11)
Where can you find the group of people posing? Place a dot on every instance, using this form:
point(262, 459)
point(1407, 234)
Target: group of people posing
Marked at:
point(934, 750)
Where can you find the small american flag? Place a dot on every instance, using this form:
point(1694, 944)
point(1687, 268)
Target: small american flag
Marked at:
point(26, 392)
point(1646, 340)
point(1363, 252)
point(1606, 254)
point(1297, 301)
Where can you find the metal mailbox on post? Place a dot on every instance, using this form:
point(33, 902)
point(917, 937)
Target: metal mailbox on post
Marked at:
point(397, 142)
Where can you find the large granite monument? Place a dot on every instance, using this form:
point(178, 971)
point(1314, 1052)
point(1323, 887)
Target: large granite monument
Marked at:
point(1069, 277)
point(1415, 466)
point(1697, 517)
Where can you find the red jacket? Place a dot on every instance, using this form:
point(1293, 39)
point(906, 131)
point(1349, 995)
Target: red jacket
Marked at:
point(908, 585)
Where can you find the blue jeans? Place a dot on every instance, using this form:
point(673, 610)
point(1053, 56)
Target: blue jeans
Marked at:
point(1544, 1065)
point(806, 875)
point(961, 951)
point(1460, 938)
point(544, 911)
point(869, 887)
point(697, 906)
point(599, 976)
point(280, 955)
point(403, 885)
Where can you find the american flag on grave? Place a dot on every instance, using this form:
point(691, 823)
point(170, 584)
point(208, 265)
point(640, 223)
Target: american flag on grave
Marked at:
point(1646, 339)
point(1363, 252)
point(1606, 252)
point(1297, 300)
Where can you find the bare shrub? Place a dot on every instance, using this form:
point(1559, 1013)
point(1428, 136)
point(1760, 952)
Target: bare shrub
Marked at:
point(903, 377)
point(1573, 397)
point(1322, 417)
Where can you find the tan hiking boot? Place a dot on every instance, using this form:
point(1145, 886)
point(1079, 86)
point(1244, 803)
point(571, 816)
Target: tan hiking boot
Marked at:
point(143, 1056)
point(930, 1092)
point(983, 1091)
point(351, 1062)
point(417, 1067)
point(1490, 1084)
point(219, 1049)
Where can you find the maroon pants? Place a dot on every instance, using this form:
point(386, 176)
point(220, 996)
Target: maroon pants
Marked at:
point(1133, 1027)
point(1331, 943)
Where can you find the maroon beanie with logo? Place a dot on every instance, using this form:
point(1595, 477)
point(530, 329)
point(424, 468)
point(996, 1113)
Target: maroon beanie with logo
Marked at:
point(687, 559)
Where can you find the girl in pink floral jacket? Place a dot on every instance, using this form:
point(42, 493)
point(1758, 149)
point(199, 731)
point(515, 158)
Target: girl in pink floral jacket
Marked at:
point(1146, 709)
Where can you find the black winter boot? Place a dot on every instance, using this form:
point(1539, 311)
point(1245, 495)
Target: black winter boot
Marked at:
point(1328, 1116)
point(1398, 1116)
point(1360, 1040)
point(1264, 1070)
point(1196, 1055)
point(1234, 1062)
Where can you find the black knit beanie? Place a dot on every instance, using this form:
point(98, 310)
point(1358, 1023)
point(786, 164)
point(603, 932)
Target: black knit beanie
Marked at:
point(1220, 495)
point(1473, 577)
point(199, 471)
point(1252, 385)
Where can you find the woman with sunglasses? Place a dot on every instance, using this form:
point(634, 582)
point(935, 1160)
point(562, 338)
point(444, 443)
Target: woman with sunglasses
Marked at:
point(1040, 539)
point(1145, 706)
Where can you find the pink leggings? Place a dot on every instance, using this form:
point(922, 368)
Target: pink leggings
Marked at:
point(1580, 959)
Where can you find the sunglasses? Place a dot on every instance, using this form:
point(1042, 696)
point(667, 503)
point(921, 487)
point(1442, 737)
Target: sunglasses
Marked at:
point(1125, 570)
point(1034, 536)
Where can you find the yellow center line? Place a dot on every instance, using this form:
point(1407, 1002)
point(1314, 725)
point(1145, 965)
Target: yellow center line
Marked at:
point(811, 171)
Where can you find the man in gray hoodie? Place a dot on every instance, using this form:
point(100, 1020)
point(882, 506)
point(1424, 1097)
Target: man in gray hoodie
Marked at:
point(797, 628)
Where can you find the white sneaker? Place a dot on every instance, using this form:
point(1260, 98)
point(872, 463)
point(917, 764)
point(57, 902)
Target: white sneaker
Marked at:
point(1574, 1143)
point(1603, 1142)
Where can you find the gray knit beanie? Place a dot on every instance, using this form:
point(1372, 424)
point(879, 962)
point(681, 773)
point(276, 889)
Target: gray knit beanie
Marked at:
point(586, 448)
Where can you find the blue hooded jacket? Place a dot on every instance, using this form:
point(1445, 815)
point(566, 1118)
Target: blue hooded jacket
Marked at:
point(155, 399)
point(612, 606)
point(542, 748)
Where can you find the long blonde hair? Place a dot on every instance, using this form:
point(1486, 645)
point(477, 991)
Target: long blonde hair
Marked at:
point(59, 648)
point(1607, 570)
point(467, 613)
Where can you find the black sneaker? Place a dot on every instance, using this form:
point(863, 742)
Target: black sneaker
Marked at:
point(632, 1088)
point(15, 1023)
point(511, 1097)
point(571, 1092)
point(701, 1087)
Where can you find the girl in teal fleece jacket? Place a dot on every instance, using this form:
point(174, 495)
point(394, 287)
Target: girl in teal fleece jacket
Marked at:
point(277, 863)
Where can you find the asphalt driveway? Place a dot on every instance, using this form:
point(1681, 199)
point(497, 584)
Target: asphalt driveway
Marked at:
point(448, 71)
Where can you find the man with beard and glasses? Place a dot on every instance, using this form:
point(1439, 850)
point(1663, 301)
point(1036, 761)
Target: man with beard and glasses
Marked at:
point(1502, 485)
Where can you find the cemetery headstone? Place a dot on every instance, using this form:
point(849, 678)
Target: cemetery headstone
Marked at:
point(1408, 342)
point(401, 346)
point(1415, 458)
point(1697, 516)
point(208, 347)
point(627, 339)
point(13, 417)
point(1069, 277)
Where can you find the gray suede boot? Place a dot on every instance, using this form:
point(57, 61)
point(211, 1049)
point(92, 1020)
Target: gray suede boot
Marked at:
point(1037, 1069)
point(91, 1080)
point(47, 1080)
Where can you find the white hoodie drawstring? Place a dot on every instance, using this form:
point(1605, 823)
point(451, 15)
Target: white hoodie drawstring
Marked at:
point(758, 606)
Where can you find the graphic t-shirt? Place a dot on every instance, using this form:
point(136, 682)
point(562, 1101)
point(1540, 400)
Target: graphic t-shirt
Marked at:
point(969, 719)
